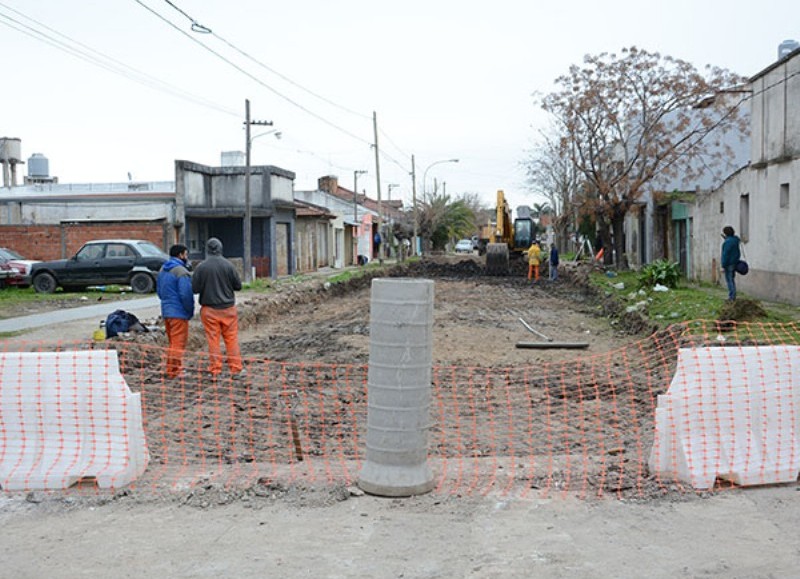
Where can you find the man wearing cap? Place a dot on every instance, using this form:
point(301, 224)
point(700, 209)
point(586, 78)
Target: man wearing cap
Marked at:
point(215, 280)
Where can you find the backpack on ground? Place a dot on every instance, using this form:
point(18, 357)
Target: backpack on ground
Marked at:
point(121, 321)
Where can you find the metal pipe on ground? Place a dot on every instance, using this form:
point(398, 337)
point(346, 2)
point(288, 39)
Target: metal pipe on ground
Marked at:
point(541, 335)
point(553, 345)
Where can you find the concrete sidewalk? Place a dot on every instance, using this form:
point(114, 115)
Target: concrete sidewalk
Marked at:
point(95, 311)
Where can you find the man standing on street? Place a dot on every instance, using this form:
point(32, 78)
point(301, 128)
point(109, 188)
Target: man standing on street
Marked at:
point(553, 262)
point(174, 287)
point(216, 280)
point(729, 258)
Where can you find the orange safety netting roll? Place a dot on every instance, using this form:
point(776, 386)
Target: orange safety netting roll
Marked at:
point(696, 402)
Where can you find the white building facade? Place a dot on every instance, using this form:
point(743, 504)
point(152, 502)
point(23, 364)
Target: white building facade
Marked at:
point(762, 201)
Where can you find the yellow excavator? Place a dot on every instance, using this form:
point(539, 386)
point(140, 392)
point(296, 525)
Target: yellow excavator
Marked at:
point(506, 238)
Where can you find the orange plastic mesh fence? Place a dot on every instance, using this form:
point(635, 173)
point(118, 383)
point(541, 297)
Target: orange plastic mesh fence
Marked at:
point(586, 427)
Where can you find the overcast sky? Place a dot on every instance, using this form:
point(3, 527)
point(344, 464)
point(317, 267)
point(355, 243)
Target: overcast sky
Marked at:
point(447, 79)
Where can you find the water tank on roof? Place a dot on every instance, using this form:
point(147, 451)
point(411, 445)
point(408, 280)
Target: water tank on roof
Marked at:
point(38, 166)
point(10, 148)
point(786, 47)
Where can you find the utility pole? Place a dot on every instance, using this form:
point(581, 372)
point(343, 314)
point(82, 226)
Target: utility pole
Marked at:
point(378, 181)
point(356, 173)
point(414, 200)
point(247, 230)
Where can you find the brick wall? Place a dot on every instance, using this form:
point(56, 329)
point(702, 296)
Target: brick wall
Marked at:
point(46, 242)
point(41, 242)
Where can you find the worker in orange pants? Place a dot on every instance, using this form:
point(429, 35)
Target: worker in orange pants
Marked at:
point(216, 280)
point(222, 324)
point(174, 287)
point(177, 336)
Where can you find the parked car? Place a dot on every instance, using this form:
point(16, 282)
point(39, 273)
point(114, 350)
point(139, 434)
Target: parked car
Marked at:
point(14, 269)
point(8, 275)
point(464, 246)
point(132, 262)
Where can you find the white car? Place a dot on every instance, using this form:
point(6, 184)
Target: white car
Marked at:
point(464, 246)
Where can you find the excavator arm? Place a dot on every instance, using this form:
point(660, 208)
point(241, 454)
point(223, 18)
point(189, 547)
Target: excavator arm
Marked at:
point(497, 252)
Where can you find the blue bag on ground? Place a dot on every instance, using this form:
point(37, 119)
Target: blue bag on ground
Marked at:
point(122, 321)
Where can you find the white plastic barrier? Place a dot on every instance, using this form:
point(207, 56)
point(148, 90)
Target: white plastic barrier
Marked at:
point(731, 413)
point(68, 416)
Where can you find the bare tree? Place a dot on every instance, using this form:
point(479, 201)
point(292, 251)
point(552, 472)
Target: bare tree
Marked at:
point(552, 174)
point(636, 120)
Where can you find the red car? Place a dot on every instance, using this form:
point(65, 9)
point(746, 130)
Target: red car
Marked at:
point(14, 269)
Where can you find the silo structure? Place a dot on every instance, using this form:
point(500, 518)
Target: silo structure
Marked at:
point(10, 156)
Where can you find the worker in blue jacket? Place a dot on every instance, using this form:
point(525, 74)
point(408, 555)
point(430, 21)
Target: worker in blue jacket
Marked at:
point(174, 287)
point(729, 258)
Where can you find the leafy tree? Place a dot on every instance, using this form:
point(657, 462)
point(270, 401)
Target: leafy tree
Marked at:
point(540, 209)
point(441, 220)
point(633, 121)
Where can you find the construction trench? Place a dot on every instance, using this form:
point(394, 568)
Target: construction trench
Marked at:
point(516, 434)
point(516, 419)
point(555, 418)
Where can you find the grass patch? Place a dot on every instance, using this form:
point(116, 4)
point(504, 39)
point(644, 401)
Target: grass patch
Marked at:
point(259, 284)
point(686, 302)
point(264, 285)
point(11, 296)
point(4, 335)
point(346, 276)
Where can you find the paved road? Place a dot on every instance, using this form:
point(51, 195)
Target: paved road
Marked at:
point(96, 311)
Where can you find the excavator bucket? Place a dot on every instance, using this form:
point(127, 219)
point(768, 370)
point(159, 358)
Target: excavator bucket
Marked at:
point(497, 259)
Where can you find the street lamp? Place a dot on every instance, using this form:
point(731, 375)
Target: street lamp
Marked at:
point(276, 132)
point(356, 173)
point(425, 173)
point(424, 191)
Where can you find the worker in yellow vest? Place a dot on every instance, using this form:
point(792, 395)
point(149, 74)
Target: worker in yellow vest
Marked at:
point(534, 259)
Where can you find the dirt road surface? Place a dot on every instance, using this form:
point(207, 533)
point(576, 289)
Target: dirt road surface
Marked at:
point(336, 532)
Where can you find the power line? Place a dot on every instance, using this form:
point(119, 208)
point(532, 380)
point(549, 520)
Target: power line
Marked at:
point(251, 76)
point(395, 145)
point(92, 56)
point(196, 25)
point(88, 54)
point(199, 27)
point(290, 81)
